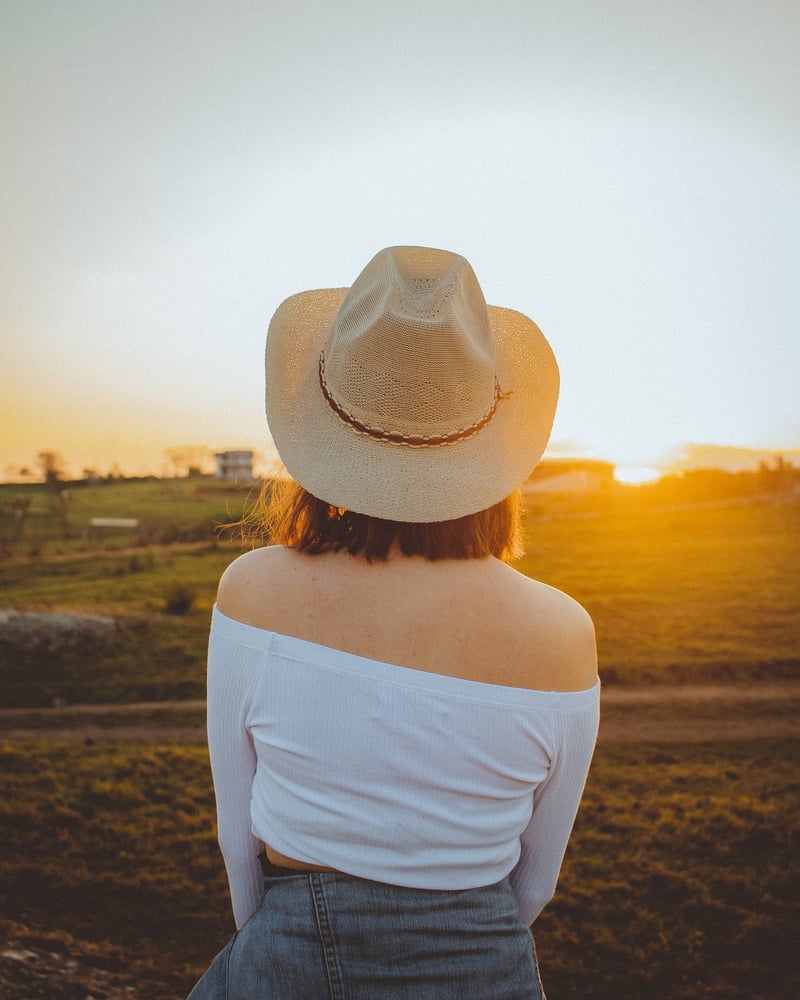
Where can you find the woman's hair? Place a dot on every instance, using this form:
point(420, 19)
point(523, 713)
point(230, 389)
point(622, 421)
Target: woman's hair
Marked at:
point(287, 514)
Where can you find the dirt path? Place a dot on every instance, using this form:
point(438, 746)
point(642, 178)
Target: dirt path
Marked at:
point(691, 713)
point(698, 713)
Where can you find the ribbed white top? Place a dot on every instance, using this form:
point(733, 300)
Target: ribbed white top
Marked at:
point(388, 772)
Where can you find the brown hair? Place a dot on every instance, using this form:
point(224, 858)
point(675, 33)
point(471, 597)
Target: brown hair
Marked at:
point(287, 514)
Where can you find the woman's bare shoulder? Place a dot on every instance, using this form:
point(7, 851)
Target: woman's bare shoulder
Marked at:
point(556, 634)
point(250, 578)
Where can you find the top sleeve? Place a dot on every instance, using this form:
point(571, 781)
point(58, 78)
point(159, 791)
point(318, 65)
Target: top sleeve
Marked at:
point(555, 806)
point(232, 681)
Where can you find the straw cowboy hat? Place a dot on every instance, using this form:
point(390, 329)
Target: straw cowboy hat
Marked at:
point(405, 396)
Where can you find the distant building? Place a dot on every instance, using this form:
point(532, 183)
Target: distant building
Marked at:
point(235, 466)
point(570, 475)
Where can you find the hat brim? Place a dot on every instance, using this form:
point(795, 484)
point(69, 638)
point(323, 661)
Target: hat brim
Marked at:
point(349, 469)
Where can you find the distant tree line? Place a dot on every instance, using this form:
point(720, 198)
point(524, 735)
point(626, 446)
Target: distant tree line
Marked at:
point(770, 479)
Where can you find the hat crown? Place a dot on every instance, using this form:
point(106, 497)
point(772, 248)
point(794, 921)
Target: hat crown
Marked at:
point(411, 350)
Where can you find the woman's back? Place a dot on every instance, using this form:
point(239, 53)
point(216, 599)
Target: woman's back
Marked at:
point(497, 714)
point(472, 618)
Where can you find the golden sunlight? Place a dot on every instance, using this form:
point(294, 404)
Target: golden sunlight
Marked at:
point(634, 475)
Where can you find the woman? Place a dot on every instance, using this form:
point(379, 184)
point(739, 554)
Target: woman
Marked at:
point(400, 725)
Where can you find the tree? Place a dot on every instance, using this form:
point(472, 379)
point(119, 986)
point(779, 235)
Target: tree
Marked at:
point(187, 456)
point(52, 465)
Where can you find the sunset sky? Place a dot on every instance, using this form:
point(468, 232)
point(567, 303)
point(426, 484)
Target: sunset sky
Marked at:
point(626, 174)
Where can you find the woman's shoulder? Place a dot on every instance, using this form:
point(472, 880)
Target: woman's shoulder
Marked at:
point(250, 577)
point(255, 560)
point(555, 632)
point(475, 618)
point(566, 611)
point(532, 595)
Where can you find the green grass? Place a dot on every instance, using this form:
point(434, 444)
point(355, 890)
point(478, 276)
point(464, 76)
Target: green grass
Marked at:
point(114, 848)
point(681, 877)
point(153, 655)
point(698, 594)
point(168, 510)
point(702, 593)
point(148, 659)
point(117, 583)
point(679, 882)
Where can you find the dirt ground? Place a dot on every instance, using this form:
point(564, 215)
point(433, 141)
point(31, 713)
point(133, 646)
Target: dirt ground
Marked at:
point(691, 713)
point(30, 972)
point(669, 714)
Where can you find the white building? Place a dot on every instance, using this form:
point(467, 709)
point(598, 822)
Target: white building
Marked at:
point(569, 475)
point(235, 466)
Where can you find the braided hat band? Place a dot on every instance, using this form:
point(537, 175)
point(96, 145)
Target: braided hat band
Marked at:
point(395, 437)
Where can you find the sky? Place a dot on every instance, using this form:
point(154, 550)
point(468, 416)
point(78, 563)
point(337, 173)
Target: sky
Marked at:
point(628, 175)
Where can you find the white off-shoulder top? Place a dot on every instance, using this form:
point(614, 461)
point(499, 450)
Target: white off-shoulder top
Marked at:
point(388, 772)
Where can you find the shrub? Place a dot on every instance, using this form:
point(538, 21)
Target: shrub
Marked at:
point(179, 598)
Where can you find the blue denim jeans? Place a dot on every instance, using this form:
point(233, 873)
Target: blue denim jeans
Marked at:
point(328, 936)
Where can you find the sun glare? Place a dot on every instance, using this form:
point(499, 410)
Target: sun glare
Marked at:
point(633, 475)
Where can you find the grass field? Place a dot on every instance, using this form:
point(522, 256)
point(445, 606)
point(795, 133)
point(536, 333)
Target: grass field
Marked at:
point(680, 880)
point(681, 877)
point(700, 593)
point(168, 510)
point(683, 593)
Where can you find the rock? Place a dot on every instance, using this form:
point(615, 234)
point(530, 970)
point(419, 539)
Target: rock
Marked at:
point(33, 630)
point(28, 974)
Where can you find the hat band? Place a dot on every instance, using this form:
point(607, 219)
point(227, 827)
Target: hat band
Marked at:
point(395, 437)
